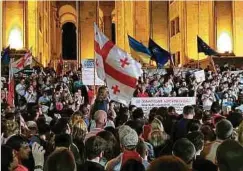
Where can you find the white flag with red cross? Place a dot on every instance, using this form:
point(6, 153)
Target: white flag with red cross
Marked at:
point(117, 67)
point(22, 62)
point(28, 57)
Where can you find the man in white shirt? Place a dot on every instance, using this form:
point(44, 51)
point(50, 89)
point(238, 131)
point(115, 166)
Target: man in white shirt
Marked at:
point(100, 118)
point(31, 95)
point(44, 99)
point(20, 88)
point(208, 99)
point(183, 89)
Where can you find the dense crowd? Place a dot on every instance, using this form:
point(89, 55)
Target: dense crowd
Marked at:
point(60, 124)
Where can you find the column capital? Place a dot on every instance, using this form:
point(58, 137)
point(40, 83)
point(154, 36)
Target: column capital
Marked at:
point(107, 7)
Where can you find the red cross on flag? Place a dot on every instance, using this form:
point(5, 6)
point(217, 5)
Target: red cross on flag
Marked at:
point(28, 57)
point(18, 64)
point(22, 62)
point(117, 67)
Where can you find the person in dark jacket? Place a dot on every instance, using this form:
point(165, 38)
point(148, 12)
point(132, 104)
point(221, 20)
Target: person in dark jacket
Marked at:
point(94, 149)
point(181, 128)
point(101, 102)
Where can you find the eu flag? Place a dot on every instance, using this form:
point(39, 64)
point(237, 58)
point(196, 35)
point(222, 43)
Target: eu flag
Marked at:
point(139, 51)
point(5, 56)
point(203, 47)
point(160, 55)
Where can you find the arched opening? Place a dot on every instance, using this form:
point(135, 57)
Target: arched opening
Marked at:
point(113, 26)
point(69, 41)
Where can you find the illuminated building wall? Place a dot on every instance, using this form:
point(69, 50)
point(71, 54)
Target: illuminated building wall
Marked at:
point(172, 24)
point(224, 24)
point(26, 24)
point(1, 25)
point(218, 23)
point(43, 32)
point(32, 26)
point(186, 21)
point(175, 31)
point(238, 27)
point(159, 23)
point(87, 18)
point(124, 23)
point(13, 24)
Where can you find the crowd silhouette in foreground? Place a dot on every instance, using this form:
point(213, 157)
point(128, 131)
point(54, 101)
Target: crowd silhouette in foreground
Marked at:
point(60, 124)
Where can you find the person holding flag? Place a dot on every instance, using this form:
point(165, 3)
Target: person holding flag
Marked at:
point(14, 67)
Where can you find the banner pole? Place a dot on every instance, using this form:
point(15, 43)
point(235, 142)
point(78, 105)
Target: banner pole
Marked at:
point(198, 23)
point(97, 22)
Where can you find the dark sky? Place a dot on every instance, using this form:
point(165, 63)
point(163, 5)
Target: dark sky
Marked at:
point(69, 50)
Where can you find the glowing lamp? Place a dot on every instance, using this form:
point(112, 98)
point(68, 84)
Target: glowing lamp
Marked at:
point(15, 39)
point(224, 43)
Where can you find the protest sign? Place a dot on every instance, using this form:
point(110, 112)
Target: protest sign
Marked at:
point(88, 72)
point(184, 71)
point(239, 72)
point(152, 72)
point(200, 76)
point(147, 103)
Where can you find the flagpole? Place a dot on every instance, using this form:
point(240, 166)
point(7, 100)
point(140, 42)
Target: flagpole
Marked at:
point(151, 20)
point(9, 79)
point(151, 29)
point(77, 34)
point(20, 124)
point(97, 22)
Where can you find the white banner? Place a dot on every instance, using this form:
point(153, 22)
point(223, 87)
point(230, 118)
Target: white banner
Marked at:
point(234, 72)
point(184, 71)
point(88, 77)
point(147, 103)
point(152, 72)
point(200, 76)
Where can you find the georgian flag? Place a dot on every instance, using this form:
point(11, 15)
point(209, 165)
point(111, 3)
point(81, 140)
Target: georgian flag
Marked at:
point(22, 62)
point(100, 40)
point(117, 67)
point(28, 57)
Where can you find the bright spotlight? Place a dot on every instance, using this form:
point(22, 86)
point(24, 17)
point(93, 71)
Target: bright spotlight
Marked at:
point(15, 39)
point(224, 43)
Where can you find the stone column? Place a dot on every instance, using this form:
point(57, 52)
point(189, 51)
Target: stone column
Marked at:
point(88, 15)
point(107, 8)
point(142, 21)
point(237, 27)
point(53, 34)
point(158, 24)
point(107, 25)
point(32, 26)
point(58, 38)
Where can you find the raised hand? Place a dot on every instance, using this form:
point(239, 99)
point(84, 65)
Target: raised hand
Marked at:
point(38, 154)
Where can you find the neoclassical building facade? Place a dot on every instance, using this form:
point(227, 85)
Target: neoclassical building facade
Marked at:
point(174, 25)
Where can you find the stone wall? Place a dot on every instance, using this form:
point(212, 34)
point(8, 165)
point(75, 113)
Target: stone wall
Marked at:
point(238, 27)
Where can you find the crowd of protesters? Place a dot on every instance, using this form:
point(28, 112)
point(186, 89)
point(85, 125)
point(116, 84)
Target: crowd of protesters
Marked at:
point(59, 124)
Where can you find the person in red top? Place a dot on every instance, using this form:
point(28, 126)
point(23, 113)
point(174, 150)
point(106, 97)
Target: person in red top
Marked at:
point(142, 92)
point(148, 128)
point(91, 94)
point(215, 113)
point(21, 148)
